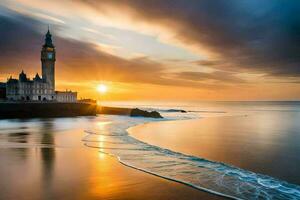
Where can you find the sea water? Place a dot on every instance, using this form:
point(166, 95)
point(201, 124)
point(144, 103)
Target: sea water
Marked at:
point(108, 134)
point(213, 176)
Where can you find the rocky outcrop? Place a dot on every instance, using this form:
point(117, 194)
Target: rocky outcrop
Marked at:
point(113, 110)
point(176, 110)
point(142, 113)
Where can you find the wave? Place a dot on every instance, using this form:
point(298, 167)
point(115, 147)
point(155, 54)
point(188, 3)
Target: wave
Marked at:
point(214, 177)
point(183, 111)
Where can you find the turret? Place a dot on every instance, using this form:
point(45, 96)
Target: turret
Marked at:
point(23, 77)
point(37, 77)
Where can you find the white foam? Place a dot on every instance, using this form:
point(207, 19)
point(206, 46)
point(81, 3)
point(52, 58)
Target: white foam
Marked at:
point(214, 177)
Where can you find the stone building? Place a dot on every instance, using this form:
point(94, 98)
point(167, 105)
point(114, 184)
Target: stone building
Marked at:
point(66, 96)
point(39, 88)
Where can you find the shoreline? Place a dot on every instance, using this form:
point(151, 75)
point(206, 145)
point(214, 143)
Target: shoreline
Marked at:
point(177, 181)
point(173, 128)
point(201, 189)
point(150, 134)
point(119, 159)
point(68, 169)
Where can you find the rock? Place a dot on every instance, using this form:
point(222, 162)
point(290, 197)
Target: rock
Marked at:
point(142, 113)
point(176, 110)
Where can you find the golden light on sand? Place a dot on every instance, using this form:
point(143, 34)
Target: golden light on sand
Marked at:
point(102, 88)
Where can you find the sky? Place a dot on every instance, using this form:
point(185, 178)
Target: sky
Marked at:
point(169, 50)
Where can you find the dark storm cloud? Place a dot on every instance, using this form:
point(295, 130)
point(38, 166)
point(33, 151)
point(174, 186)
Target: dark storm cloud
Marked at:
point(245, 35)
point(19, 43)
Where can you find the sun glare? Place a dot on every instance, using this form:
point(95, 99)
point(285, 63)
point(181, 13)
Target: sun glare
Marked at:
point(102, 88)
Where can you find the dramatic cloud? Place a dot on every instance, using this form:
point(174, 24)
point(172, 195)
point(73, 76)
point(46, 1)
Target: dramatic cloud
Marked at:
point(217, 76)
point(21, 43)
point(76, 60)
point(254, 36)
point(207, 44)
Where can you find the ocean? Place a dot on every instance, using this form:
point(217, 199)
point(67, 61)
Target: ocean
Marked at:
point(240, 150)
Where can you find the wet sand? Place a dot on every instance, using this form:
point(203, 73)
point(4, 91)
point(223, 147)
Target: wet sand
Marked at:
point(50, 162)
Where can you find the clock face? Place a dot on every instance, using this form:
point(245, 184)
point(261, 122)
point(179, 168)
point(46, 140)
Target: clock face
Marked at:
point(50, 55)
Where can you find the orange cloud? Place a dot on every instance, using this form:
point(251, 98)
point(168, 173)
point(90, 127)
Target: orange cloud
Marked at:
point(234, 64)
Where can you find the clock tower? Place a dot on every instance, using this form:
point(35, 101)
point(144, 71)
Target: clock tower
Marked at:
point(48, 62)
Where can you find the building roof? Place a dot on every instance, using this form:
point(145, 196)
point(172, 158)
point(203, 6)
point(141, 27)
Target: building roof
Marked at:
point(37, 77)
point(12, 80)
point(23, 78)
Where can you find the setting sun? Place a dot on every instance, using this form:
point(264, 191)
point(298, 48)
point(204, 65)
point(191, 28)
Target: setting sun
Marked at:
point(99, 97)
point(102, 88)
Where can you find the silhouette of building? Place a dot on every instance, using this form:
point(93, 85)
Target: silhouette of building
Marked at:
point(2, 91)
point(39, 88)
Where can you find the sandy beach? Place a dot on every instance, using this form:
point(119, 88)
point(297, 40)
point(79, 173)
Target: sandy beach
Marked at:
point(43, 159)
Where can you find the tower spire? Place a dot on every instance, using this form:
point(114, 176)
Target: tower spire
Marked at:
point(48, 39)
